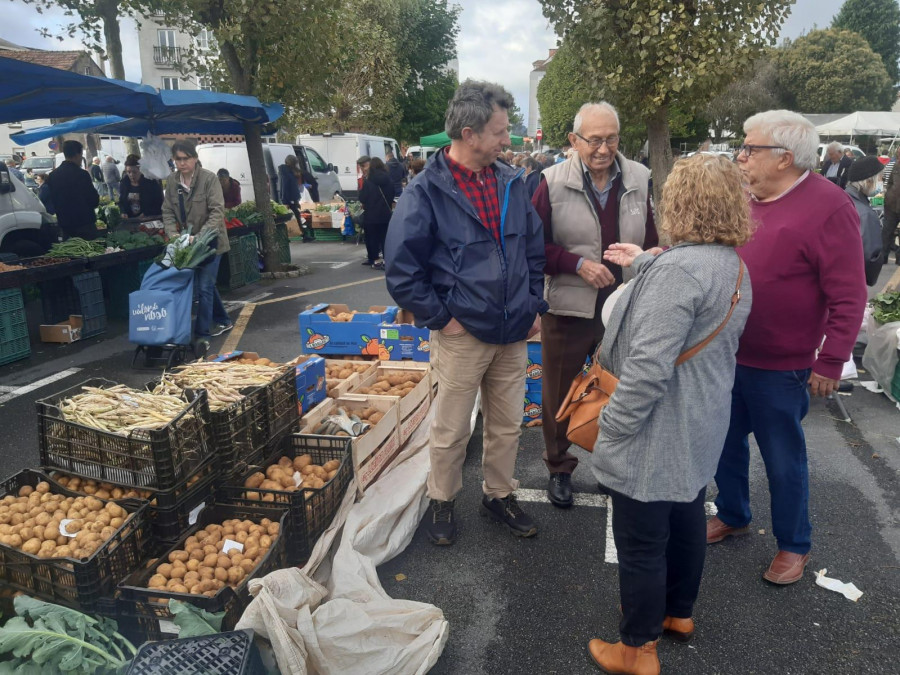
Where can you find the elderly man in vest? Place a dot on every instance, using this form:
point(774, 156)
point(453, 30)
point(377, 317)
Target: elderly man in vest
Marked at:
point(593, 199)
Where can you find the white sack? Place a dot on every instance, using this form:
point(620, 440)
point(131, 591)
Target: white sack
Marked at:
point(880, 358)
point(155, 155)
point(358, 628)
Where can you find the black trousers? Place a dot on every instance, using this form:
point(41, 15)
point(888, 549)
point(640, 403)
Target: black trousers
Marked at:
point(661, 548)
point(375, 234)
point(888, 236)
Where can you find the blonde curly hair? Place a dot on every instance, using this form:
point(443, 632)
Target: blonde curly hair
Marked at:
point(703, 201)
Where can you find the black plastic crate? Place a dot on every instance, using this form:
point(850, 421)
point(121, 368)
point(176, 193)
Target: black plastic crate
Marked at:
point(160, 459)
point(282, 412)
point(119, 282)
point(81, 584)
point(231, 267)
point(310, 511)
point(14, 342)
point(251, 258)
point(80, 294)
point(136, 600)
point(231, 653)
point(169, 523)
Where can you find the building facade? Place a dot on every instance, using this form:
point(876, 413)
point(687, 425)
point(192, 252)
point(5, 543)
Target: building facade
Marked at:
point(163, 48)
point(538, 70)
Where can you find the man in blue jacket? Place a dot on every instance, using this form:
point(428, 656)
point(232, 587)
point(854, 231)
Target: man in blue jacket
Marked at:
point(465, 254)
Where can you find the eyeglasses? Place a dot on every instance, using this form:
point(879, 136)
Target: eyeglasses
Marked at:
point(750, 149)
point(594, 143)
point(182, 158)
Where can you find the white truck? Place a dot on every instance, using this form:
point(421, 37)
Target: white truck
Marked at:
point(25, 227)
point(342, 150)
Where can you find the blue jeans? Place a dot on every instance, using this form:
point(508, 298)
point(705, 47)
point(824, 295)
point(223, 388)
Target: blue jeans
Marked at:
point(771, 404)
point(209, 307)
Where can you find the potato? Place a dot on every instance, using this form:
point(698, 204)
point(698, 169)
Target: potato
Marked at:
point(254, 495)
point(165, 570)
point(210, 560)
point(221, 574)
point(254, 480)
point(301, 461)
point(178, 572)
point(25, 490)
point(32, 546)
point(331, 474)
point(331, 465)
point(157, 581)
point(192, 565)
point(60, 551)
point(179, 588)
point(210, 548)
point(74, 526)
point(43, 487)
point(197, 554)
point(183, 556)
point(248, 565)
point(308, 469)
point(251, 553)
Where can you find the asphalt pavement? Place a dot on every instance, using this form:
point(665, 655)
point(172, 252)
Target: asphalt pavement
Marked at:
point(530, 606)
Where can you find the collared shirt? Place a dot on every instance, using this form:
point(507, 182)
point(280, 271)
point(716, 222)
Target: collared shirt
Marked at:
point(796, 183)
point(833, 169)
point(481, 190)
point(603, 195)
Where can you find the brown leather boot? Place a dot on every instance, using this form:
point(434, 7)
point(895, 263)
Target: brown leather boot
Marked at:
point(680, 629)
point(620, 659)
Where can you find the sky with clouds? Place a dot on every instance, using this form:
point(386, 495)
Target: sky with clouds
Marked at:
point(498, 40)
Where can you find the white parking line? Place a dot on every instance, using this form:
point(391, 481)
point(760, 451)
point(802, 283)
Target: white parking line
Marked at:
point(19, 391)
point(231, 305)
point(597, 501)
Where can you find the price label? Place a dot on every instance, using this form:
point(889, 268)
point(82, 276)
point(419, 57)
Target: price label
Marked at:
point(231, 545)
point(62, 528)
point(192, 516)
point(168, 627)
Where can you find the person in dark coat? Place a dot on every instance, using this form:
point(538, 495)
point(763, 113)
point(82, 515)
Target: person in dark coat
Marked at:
point(862, 179)
point(533, 177)
point(43, 193)
point(290, 178)
point(73, 194)
point(376, 197)
point(396, 171)
point(231, 189)
point(836, 164)
point(138, 195)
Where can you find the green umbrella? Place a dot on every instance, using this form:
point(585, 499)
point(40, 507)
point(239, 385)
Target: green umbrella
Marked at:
point(442, 139)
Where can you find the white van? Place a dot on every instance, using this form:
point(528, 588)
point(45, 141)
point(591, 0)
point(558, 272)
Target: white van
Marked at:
point(421, 151)
point(342, 150)
point(25, 227)
point(233, 156)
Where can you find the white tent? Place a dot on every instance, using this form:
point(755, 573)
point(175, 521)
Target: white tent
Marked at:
point(863, 123)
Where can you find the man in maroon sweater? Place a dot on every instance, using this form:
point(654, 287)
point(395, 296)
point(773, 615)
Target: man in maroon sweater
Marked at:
point(806, 266)
point(593, 199)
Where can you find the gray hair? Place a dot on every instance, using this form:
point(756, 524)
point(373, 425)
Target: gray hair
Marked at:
point(866, 187)
point(791, 131)
point(834, 146)
point(472, 106)
point(603, 106)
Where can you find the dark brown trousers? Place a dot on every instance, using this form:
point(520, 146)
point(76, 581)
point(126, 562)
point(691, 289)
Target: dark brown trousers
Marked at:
point(565, 343)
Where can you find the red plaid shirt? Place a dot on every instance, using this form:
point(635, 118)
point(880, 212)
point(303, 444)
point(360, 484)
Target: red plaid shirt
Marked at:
point(481, 190)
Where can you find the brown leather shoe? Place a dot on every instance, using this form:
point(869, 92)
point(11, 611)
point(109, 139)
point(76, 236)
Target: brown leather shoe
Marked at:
point(620, 659)
point(678, 628)
point(786, 568)
point(716, 530)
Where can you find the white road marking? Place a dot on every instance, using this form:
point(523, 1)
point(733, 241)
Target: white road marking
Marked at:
point(598, 501)
point(19, 391)
point(338, 266)
point(237, 304)
point(5, 389)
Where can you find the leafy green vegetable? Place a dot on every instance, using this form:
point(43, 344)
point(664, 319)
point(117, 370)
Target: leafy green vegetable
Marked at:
point(76, 247)
point(193, 621)
point(887, 307)
point(45, 638)
point(189, 256)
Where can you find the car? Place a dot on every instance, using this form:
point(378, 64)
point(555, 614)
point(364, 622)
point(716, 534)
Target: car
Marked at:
point(855, 150)
point(25, 227)
point(38, 165)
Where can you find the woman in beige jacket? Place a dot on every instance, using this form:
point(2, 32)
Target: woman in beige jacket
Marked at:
point(194, 203)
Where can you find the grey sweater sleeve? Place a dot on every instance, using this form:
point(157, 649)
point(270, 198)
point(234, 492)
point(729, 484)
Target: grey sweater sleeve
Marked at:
point(662, 317)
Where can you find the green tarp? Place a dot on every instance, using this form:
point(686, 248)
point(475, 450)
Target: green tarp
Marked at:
point(442, 139)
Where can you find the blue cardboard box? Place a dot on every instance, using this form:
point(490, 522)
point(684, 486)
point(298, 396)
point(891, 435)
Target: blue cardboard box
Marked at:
point(402, 341)
point(310, 373)
point(319, 334)
point(534, 370)
point(532, 408)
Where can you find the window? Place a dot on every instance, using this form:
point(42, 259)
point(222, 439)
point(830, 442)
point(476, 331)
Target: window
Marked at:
point(315, 161)
point(165, 38)
point(204, 83)
point(206, 40)
point(170, 83)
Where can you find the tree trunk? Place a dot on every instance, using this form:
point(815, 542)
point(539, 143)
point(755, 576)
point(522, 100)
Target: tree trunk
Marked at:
point(109, 11)
point(253, 138)
point(660, 150)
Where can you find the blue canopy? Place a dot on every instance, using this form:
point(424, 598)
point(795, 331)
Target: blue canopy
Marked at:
point(113, 125)
point(29, 91)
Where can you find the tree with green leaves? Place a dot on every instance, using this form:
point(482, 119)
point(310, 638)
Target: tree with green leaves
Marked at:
point(833, 71)
point(423, 108)
point(560, 93)
point(878, 21)
point(276, 50)
point(648, 55)
point(753, 92)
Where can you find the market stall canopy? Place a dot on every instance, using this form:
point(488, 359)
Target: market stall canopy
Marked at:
point(863, 123)
point(113, 125)
point(442, 139)
point(29, 91)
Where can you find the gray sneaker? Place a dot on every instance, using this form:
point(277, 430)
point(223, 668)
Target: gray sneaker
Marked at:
point(221, 328)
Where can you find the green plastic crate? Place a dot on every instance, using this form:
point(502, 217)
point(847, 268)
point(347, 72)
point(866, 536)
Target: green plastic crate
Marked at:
point(14, 343)
point(231, 267)
point(120, 282)
point(329, 235)
point(251, 259)
point(283, 243)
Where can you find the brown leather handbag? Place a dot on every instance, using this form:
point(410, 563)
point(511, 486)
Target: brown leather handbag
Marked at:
point(590, 391)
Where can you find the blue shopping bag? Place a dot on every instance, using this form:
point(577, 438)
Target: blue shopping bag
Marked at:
point(160, 313)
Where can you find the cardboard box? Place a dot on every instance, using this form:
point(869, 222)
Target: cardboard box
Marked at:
point(532, 409)
point(320, 335)
point(347, 384)
point(414, 406)
point(293, 228)
point(403, 341)
point(376, 449)
point(322, 221)
point(533, 368)
point(65, 332)
point(310, 381)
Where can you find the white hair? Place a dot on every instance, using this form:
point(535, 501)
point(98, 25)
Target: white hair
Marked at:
point(603, 106)
point(834, 146)
point(866, 187)
point(791, 131)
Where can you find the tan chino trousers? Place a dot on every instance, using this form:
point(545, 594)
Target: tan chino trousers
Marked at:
point(463, 365)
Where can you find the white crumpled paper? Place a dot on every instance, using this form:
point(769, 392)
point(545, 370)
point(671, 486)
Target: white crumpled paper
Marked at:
point(333, 617)
point(849, 591)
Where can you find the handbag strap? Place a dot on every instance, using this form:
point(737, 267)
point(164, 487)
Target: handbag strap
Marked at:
point(735, 298)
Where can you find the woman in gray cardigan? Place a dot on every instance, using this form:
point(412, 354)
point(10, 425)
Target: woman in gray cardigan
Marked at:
point(662, 433)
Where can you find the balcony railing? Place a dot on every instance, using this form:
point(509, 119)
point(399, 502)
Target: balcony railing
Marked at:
point(167, 56)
